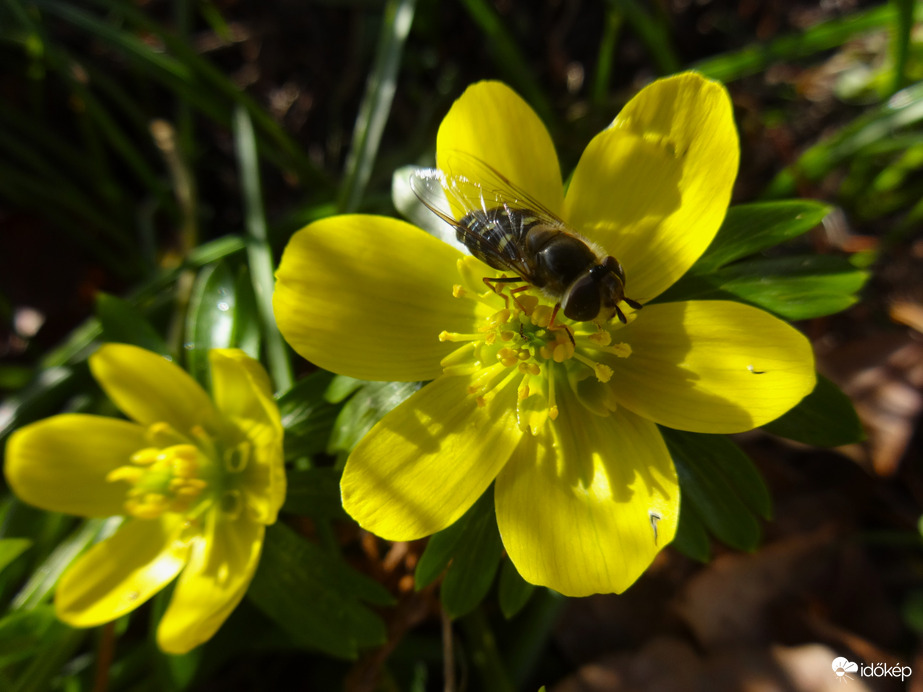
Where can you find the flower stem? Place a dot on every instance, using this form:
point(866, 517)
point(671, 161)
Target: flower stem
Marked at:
point(258, 251)
point(485, 658)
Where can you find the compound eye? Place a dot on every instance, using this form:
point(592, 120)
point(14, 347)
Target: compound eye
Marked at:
point(581, 302)
point(614, 266)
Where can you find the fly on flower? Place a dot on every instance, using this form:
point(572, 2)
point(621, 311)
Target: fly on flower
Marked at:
point(505, 228)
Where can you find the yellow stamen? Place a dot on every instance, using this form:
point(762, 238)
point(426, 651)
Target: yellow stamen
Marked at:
point(541, 316)
point(130, 474)
point(601, 338)
point(455, 336)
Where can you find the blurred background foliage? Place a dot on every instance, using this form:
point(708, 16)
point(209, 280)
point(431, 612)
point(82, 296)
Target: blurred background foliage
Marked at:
point(156, 155)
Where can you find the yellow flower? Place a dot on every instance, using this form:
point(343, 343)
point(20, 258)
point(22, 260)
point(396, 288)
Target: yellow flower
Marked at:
point(198, 483)
point(585, 489)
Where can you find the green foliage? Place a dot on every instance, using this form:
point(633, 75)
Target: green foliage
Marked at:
point(315, 597)
point(721, 491)
point(179, 179)
point(824, 418)
point(472, 546)
point(795, 287)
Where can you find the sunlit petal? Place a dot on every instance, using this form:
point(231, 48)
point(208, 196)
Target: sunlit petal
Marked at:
point(585, 507)
point(60, 463)
point(122, 572)
point(712, 366)
point(219, 571)
point(653, 188)
point(150, 389)
point(492, 123)
point(368, 296)
point(243, 395)
point(425, 463)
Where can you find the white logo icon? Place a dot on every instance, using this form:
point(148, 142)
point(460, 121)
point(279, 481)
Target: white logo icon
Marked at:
point(841, 667)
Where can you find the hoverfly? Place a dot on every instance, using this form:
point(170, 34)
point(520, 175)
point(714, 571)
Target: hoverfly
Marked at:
point(510, 231)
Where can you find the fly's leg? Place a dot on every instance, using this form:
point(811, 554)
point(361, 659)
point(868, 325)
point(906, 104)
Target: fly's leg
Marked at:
point(499, 291)
point(553, 327)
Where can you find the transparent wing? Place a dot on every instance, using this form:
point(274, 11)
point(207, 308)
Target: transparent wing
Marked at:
point(489, 202)
point(495, 189)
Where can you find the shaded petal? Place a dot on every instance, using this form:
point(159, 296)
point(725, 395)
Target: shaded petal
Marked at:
point(368, 296)
point(711, 366)
point(220, 569)
point(149, 388)
point(425, 463)
point(578, 505)
point(119, 574)
point(243, 394)
point(654, 187)
point(492, 123)
point(60, 463)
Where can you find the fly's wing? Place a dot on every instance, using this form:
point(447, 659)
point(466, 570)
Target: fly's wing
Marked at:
point(495, 186)
point(488, 212)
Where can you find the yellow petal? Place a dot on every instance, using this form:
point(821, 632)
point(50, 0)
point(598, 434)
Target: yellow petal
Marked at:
point(711, 366)
point(117, 575)
point(220, 569)
point(492, 123)
point(368, 296)
point(243, 394)
point(584, 507)
point(654, 187)
point(425, 463)
point(150, 389)
point(60, 463)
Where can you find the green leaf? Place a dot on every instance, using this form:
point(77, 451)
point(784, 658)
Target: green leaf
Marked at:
point(824, 418)
point(210, 317)
point(21, 632)
point(721, 485)
point(475, 560)
point(472, 545)
point(11, 548)
point(691, 538)
point(315, 493)
point(375, 108)
point(439, 551)
point(316, 597)
point(367, 406)
point(43, 397)
point(749, 228)
point(758, 55)
point(307, 416)
point(795, 288)
point(123, 323)
point(341, 387)
point(513, 591)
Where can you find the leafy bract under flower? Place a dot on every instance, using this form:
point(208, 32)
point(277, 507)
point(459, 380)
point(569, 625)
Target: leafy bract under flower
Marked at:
point(562, 416)
point(198, 482)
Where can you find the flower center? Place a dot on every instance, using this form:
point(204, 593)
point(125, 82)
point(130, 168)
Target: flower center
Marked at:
point(184, 474)
point(523, 340)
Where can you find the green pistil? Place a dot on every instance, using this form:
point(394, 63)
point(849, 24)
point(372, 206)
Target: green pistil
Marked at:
point(520, 341)
point(182, 474)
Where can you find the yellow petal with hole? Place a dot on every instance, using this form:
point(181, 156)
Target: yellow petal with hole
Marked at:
point(584, 507)
point(492, 123)
point(368, 296)
point(60, 463)
point(427, 461)
point(216, 578)
point(711, 366)
point(243, 394)
point(654, 187)
point(150, 389)
point(119, 574)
